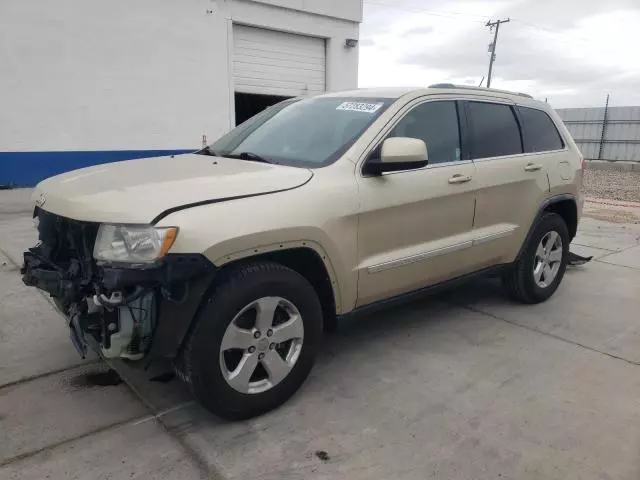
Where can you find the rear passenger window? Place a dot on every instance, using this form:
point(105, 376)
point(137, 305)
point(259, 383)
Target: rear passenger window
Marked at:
point(493, 129)
point(437, 124)
point(539, 132)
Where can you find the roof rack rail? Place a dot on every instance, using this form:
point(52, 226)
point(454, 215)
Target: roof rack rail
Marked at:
point(468, 87)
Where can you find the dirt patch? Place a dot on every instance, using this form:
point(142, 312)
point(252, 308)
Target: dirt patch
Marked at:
point(612, 215)
point(322, 455)
point(612, 185)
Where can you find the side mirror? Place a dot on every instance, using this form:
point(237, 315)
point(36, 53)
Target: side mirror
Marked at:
point(399, 153)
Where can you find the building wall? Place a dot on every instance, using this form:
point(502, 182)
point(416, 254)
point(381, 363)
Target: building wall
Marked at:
point(345, 10)
point(122, 79)
point(622, 132)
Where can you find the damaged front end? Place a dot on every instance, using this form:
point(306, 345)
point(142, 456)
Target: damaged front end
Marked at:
point(131, 311)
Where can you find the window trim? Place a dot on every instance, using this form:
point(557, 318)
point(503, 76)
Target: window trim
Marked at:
point(399, 115)
point(562, 139)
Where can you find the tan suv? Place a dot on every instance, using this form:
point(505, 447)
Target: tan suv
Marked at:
point(229, 261)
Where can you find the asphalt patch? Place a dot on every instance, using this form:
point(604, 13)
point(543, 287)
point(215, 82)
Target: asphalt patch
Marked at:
point(108, 378)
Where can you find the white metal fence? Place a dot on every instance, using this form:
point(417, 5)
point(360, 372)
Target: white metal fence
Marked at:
point(611, 133)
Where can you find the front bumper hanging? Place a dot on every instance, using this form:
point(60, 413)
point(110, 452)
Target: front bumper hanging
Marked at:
point(120, 310)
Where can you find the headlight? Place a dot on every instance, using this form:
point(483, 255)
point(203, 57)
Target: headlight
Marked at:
point(133, 243)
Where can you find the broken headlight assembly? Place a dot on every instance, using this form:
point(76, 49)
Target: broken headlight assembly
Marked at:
point(134, 244)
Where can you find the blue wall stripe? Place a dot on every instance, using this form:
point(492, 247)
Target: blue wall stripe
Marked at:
point(25, 169)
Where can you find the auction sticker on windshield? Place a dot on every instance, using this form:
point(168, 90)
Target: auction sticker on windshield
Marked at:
point(359, 107)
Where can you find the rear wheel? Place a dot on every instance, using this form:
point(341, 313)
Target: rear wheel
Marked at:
point(254, 343)
point(536, 274)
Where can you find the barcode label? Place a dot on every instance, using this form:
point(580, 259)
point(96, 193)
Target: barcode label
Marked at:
point(359, 107)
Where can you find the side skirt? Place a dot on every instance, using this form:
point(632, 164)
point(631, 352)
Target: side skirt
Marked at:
point(425, 291)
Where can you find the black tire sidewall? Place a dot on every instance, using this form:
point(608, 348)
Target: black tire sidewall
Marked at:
point(205, 375)
point(549, 222)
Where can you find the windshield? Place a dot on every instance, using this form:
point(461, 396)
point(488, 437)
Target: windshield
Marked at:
point(306, 133)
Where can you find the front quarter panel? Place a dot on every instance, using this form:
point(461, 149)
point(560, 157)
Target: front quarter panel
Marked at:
point(321, 215)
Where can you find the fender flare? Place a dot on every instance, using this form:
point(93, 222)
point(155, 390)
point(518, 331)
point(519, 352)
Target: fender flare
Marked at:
point(284, 246)
point(541, 209)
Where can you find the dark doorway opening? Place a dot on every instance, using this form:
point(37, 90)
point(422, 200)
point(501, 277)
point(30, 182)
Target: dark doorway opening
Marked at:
point(250, 104)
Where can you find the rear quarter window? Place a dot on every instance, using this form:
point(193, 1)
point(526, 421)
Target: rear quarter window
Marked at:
point(538, 131)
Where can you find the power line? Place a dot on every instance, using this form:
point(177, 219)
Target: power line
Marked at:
point(453, 14)
point(436, 13)
point(457, 16)
point(492, 46)
point(582, 41)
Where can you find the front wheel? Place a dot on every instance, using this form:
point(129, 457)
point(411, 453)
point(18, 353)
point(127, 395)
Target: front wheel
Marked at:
point(537, 273)
point(254, 343)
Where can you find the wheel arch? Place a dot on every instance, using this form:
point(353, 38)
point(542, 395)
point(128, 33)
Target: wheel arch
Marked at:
point(305, 257)
point(565, 205)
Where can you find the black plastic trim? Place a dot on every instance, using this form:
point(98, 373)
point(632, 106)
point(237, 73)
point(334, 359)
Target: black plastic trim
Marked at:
point(516, 113)
point(549, 201)
point(463, 129)
point(175, 318)
point(377, 167)
point(171, 210)
point(424, 291)
point(174, 268)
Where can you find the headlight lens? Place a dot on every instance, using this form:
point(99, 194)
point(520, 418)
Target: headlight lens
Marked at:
point(133, 243)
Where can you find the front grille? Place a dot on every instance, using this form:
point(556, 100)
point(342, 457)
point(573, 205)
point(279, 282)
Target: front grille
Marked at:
point(62, 262)
point(63, 240)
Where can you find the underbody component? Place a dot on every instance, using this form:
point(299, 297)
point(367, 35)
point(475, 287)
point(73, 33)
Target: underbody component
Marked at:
point(576, 260)
point(134, 330)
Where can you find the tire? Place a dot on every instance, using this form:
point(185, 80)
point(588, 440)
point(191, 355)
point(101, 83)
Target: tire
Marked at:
point(520, 282)
point(206, 366)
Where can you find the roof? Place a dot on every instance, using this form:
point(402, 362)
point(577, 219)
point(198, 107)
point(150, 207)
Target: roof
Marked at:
point(378, 92)
point(441, 88)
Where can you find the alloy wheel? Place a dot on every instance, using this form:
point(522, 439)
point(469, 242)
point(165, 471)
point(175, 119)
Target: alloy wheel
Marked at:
point(261, 345)
point(548, 259)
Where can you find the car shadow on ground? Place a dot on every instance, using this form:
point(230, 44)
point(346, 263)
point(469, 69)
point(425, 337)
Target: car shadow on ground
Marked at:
point(355, 338)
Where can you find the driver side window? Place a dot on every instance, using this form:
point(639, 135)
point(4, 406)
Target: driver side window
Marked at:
point(436, 123)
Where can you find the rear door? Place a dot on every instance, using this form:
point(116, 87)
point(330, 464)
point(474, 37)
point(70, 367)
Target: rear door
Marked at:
point(512, 184)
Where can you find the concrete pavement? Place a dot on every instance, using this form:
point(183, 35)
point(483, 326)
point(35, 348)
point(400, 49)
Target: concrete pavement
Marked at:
point(465, 385)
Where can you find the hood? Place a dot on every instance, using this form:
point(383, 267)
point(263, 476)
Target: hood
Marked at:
point(138, 191)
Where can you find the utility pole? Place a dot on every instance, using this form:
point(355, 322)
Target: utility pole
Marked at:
point(492, 46)
point(603, 134)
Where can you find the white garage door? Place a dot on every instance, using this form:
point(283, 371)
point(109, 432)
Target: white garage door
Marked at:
point(277, 63)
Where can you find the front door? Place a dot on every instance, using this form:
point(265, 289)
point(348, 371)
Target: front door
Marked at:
point(415, 226)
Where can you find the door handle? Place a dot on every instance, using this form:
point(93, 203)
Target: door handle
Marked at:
point(532, 167)
point(457, 178)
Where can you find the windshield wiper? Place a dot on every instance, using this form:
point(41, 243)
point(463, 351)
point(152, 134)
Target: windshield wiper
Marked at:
point(254, 157)
point(208, 151)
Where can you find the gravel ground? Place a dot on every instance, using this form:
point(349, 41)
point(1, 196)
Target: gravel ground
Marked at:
point(612, 185)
